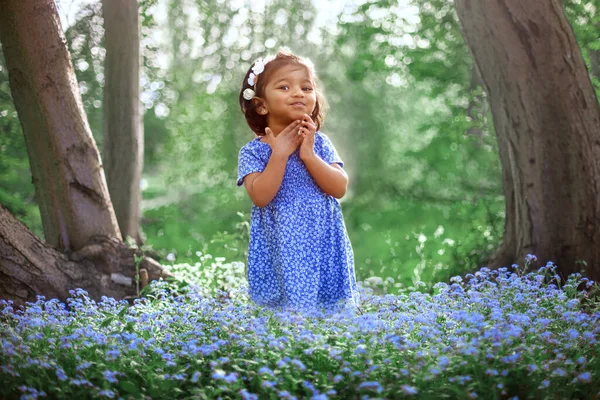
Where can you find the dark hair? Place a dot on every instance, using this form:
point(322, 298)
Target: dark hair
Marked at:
point(258, 122)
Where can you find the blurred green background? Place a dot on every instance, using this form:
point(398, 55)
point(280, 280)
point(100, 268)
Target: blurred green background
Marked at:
point(407, 116)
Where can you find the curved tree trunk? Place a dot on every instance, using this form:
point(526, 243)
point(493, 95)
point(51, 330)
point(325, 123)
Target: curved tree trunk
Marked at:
point(106, 267)
point(547, 120)
point(123, 152)
point(68, 177)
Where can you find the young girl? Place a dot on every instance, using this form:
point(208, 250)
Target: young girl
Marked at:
point(299, 255)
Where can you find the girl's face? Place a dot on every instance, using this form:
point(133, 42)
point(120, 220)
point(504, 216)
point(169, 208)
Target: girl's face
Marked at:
point(288, 95)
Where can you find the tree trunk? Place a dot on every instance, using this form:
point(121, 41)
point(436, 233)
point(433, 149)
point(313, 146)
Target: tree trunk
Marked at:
point(547, 121)
point(123, 152)
point(65, 164)
point(28, 267)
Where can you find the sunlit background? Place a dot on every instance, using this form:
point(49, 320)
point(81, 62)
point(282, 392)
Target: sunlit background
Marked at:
point(425, 204)
point(425, 198)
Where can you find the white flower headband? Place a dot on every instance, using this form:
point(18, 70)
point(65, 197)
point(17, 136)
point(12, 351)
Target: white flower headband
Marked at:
point(258, 68)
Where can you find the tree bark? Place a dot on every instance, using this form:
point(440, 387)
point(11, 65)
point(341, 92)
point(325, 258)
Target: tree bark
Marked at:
point(105, 267)
point(65, 164)
point(547, 120)
point(123, 152)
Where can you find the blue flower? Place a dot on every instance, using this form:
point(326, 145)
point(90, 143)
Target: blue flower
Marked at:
point(408, 390)
point(231, 377)
point(107, 393)
point(298, 364)
point(266, 370)
point(530, 257)
point(585, 377)
point(246, 395)
point(218, 374)
point(60, 374)
point(573, 334)
point(370, 385)
point(110, 376)
point(268, 384)
point(195, 377)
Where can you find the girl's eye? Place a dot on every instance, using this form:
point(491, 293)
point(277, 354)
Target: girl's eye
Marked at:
point(308, 89)
point(284, 87)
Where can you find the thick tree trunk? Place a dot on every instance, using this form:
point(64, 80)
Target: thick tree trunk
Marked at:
point(65, 164)
point(29, 267)
point(547, 120)
point(123, 152)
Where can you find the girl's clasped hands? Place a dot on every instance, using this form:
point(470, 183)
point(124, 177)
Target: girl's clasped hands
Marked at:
point(299, 132)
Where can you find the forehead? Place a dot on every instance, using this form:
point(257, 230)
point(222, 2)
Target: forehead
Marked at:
point(291, 71)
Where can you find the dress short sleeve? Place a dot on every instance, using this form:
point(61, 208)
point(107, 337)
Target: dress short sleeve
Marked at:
point(326, 150)
point(249, 160)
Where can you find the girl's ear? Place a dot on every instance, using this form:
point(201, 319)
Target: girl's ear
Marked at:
point(261, 108)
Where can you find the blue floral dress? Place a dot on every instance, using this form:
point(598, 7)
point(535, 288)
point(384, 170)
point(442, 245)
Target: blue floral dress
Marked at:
point(299, 254)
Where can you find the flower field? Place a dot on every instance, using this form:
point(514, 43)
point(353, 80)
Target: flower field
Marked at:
point(495, 334)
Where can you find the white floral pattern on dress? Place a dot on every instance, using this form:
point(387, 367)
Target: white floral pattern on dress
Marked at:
point(299, 255)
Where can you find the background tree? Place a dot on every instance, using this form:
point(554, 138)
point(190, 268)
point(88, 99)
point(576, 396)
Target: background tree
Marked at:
point(431, 158)
point(75, 207)
point(404, 101)
point(547, 117)
point(123, 152)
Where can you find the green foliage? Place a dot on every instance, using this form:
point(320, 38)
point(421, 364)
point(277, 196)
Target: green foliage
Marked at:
point(414, 241)
point(16, 188)
point(585, 22)
point(209, 221)
point(407, 117)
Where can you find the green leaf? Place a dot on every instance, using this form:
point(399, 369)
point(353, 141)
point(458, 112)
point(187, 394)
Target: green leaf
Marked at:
point(122, 312)
point(107, 322)
point(238, 368)
point(128, 387)
point(252, 362)
point(129, 326)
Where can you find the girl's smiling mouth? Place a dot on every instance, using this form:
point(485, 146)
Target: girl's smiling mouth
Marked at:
point(298, 104)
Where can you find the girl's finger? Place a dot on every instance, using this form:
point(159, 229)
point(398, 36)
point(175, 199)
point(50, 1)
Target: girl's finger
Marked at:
point(291, 128)
point(309, 126)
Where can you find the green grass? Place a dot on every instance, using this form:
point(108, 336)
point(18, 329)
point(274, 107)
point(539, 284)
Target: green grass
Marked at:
point(396, 246)
point(410, 241)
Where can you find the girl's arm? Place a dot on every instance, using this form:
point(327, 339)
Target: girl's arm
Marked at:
point(263, 186)
point(331, 178)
